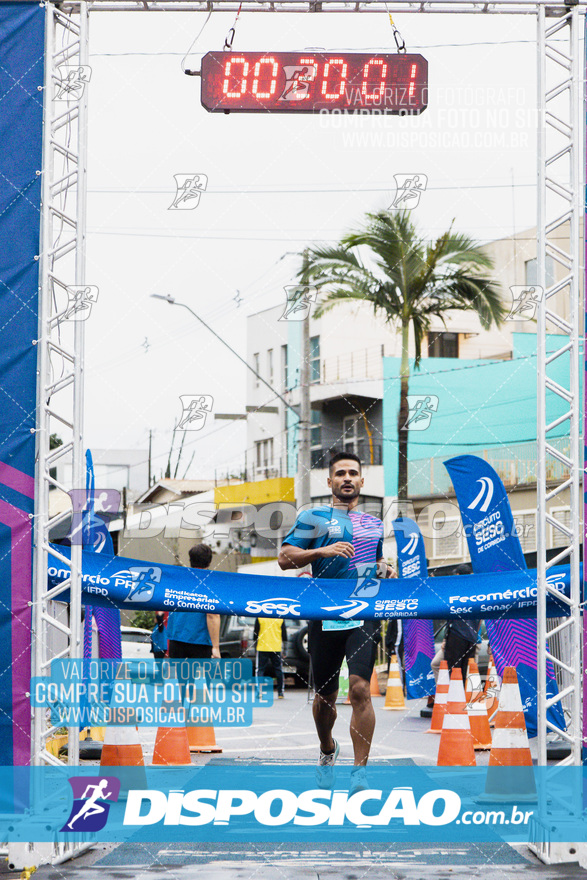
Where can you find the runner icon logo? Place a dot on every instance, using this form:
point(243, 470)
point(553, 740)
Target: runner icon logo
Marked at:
point(188, 190)
point(409, 188)
point(525, 301)
point(90, 802)
point(144, 580)
point(422, 408)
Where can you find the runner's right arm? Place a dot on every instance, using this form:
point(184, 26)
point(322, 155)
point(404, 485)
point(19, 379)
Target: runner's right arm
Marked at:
point(291, 556)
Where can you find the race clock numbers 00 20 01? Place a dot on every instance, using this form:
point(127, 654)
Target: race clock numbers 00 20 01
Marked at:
point(314, 82)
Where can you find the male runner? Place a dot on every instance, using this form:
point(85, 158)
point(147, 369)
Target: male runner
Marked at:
point(336, 539)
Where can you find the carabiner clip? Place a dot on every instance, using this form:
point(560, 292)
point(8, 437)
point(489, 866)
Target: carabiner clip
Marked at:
point(399, 41)
point(228, 40)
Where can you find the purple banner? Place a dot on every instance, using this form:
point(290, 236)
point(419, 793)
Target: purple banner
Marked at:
point(22, 27)
point(494, 546)
point(585, 487)
point(418, 634)
point(95, 536)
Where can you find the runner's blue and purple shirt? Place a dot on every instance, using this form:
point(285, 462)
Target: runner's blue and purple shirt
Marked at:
point(326, 525)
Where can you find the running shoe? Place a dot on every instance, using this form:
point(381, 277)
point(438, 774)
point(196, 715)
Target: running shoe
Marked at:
point(325, 768)
point(358, 780)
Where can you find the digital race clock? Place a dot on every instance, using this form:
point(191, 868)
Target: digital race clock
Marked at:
point(314, 82)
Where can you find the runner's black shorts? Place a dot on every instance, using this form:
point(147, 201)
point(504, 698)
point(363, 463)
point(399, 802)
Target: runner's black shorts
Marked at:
point(329, 648)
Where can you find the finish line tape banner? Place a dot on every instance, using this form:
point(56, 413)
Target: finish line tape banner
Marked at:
point(135, 584)
point(281, 804)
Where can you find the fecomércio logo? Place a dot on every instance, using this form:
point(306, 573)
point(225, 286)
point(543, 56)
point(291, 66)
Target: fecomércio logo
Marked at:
point(91, 796)
point(483, 499)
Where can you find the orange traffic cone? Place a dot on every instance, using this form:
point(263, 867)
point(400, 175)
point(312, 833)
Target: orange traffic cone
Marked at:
point(510, 748)
point(172, 747)
point(394, 695)
point(375, 689)
point(202, 739)
point(479, 722)
point(491, 690)
point(475, 683)
point(456, 740)
point(122, 756)
point(468, 684)
point(474, 687)
point(121, 748)
point(440, 697)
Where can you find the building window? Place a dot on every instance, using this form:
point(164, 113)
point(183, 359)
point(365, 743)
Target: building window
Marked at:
point(443, 345)
point(256, 368)
point(531, 267)
point(525, 528)
point(264, 457)
point(315, 359)
point(284, 368)
point(270, 366)
point(316, 429)
point(356, 439)
point(447, 538)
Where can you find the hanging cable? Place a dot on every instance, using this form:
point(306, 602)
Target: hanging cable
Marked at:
point(399, 40)
point(232, 31)
point(201, 31)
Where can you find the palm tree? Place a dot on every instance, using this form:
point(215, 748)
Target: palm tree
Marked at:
point(408, 281)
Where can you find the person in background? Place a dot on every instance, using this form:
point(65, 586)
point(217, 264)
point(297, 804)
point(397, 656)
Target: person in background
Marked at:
point(194, 634)
point(461, 638)
point(159, 637)
point(269, 633)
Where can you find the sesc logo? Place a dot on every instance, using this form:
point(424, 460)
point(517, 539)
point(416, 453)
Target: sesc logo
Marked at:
point(350, 608)
point(411, 544)
point(90, 808)
point(278, 607)
point(483, 499)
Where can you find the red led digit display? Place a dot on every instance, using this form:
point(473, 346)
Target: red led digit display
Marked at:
point(314, 82)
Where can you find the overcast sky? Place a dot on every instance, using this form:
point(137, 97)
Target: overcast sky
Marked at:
point(275, 184)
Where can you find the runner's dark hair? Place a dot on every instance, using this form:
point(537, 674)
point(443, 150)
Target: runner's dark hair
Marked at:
point(344, 456)
point(200, 556)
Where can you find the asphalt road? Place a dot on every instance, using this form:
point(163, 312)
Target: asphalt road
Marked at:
point(284, 733)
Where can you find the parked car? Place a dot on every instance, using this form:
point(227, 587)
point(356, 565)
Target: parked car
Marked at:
point(236, 640)
point(136, 642)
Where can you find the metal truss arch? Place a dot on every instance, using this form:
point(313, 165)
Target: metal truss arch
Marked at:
point(60, 390)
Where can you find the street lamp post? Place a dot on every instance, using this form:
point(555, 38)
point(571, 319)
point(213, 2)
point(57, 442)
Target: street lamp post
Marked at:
point(303, 471)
